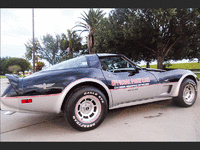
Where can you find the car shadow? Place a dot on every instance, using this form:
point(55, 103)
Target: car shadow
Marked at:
point(57, 123)
point(61, 122)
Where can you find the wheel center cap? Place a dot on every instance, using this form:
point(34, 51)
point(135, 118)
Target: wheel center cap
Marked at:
point(86, 108)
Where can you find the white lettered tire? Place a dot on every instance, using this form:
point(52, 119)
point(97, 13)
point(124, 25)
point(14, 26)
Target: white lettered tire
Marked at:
point(187, 94)
point(86, 108)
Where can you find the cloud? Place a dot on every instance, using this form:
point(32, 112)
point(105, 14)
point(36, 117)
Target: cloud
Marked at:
point(16, 26)
point(55, 21)
point(16, 21)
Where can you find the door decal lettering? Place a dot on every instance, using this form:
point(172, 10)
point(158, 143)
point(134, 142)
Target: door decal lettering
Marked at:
point(130, 81)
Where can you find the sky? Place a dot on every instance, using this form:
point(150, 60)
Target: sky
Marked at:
point(16, 26)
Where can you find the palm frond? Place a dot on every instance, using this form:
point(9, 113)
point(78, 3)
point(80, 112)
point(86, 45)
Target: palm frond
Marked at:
point(91, 19)
point(84, 18)
point(80, 26)
point(82, 31)
point(82, 23)
point(86, 15)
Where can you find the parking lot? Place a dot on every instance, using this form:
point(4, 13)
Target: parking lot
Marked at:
point(158, 121)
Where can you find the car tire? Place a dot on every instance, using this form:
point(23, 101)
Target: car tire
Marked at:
point(86, 108)
point(187, 94)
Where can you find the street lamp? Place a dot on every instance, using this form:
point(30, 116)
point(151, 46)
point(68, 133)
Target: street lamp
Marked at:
point(33, 43)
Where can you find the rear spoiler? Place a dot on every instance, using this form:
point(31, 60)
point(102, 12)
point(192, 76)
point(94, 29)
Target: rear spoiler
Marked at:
point(15, 82)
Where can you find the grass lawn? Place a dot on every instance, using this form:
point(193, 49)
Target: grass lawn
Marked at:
point(198, 75)
point(5, 76)
point(180, 66)
point(2, 76)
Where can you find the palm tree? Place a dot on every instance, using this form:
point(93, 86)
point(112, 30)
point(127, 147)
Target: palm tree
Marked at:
point(91, 20)
point(74, 42)
point(71, 41)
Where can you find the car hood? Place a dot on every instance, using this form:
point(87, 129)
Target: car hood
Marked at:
point(169, 76)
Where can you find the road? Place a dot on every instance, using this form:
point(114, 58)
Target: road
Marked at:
point(158, 121)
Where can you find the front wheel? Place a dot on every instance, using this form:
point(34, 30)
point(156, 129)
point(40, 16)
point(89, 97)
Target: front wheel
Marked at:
point(86, 108)
point(187, 94)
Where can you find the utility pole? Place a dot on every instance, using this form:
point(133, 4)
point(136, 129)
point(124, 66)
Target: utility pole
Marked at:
point(33, 43)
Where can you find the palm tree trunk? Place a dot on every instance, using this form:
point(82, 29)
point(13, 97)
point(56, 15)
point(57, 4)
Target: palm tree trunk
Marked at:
point(70, 52)
point(90, 43)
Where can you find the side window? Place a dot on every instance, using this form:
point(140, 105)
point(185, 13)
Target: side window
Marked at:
point(77, 62)
point(115, 63)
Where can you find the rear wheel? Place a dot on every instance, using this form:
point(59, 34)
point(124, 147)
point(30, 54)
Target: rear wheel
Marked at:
point(187, 94)
point(86, 108)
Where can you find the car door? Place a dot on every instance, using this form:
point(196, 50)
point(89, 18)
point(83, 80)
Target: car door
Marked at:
point(126, 82)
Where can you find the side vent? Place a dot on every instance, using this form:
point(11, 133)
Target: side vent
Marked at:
point(169, 89)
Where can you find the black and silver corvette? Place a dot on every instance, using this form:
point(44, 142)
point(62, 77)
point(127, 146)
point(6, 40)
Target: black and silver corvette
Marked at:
point(86, 87)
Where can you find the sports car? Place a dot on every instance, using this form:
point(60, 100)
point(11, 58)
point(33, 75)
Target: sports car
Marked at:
point(84, 88)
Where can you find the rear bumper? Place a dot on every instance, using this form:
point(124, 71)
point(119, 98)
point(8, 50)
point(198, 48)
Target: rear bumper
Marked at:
point(40, 103)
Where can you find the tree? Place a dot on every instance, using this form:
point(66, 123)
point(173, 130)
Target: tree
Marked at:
point(14, 69)
point(151, 33)
point(193, 50)
point(90, 23)
point(3, 68)
point(29, 48)
point(50, 49)
point(162, 29)
point(84, 49)
point(53, 49)
point(74, 42)
point(64, 44)
point(11, 61)
point(114, 35)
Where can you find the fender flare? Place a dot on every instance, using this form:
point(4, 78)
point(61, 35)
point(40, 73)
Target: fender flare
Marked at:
point(76, 82)
point(178, 85)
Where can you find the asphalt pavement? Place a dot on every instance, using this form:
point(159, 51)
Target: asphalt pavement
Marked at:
point(158, 121)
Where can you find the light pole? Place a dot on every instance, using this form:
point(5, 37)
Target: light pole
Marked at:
point(33, 43)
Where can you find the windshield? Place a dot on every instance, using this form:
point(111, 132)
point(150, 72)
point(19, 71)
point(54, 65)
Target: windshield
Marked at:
point(78, 62)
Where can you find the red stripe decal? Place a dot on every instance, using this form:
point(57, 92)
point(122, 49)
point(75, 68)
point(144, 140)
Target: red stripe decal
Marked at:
point(142, 86)
point(31, 96)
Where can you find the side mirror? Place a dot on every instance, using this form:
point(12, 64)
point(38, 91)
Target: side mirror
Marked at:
point(132, 72)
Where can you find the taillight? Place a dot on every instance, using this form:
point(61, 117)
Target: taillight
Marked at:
point(27, 101)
